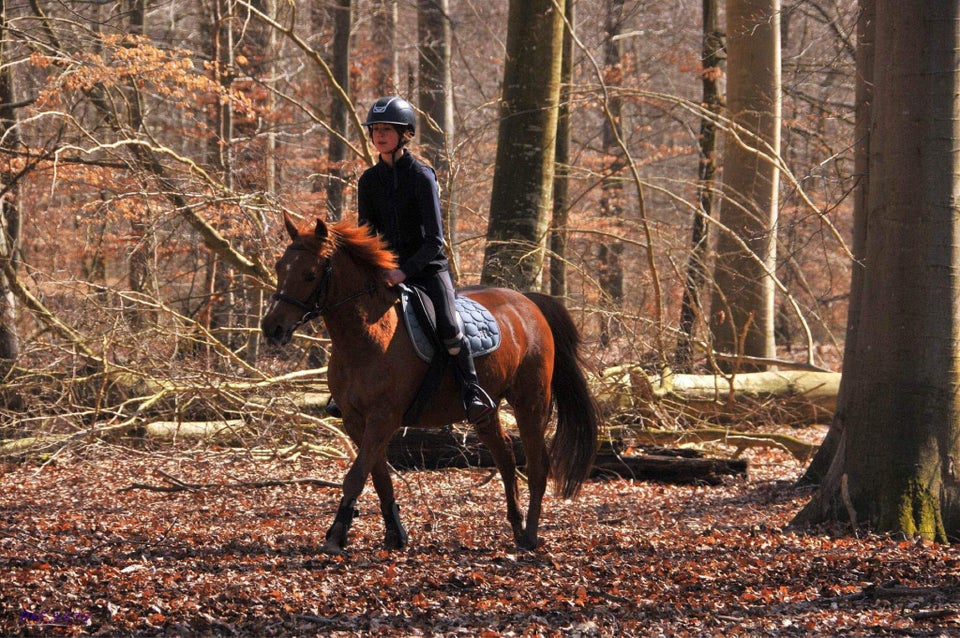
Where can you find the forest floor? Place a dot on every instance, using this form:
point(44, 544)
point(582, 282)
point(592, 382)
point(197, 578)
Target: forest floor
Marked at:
point(81, 554)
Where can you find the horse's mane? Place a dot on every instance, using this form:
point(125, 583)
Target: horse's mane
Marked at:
point(363, 245)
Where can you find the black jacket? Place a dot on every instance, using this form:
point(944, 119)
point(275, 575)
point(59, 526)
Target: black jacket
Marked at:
point(402, 203)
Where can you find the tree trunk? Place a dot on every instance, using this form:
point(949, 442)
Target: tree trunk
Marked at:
point(221, 301)
point(436, 101)
point(818, 468)
point(742, 311)
point(138, 268)
point(337, 147)
point(522, 195)
point(896, 468)
point(785, 396)
point(561, 182)
point(9, 213)
point(385, 27)
point(609, 251)
point(690, 306)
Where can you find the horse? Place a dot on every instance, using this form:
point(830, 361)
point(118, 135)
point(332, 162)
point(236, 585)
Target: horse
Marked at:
point(336, 272)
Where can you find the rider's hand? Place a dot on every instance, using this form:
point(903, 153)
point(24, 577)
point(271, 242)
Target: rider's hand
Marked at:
point(394, 277)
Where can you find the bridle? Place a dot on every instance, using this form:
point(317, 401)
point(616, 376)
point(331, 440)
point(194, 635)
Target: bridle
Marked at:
point(315, 305)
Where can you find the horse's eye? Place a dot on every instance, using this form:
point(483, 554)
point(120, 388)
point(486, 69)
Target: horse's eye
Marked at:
point(311, 275)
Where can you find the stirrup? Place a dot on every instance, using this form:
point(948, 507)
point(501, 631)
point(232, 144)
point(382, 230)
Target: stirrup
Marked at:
point(478, 404)
point(477, 411)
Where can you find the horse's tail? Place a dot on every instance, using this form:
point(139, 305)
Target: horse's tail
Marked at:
point(574, 445)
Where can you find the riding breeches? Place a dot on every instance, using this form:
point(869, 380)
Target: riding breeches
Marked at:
point(439, 288)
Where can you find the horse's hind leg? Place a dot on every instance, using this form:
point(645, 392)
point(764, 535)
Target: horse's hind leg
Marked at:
point(538, 470)
point(531, 421)
point(491, 433)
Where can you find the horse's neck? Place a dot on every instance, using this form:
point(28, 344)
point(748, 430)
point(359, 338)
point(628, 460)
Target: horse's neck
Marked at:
point(365, 324)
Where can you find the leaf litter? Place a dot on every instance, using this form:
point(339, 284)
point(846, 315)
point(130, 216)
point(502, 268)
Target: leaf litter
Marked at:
point(81, 553)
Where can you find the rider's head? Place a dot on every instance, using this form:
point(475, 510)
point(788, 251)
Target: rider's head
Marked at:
point(396, 112)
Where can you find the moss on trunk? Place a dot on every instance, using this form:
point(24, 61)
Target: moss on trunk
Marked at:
point(917, 513)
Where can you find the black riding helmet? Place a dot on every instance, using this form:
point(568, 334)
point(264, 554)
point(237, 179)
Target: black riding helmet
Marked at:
point(392, 110)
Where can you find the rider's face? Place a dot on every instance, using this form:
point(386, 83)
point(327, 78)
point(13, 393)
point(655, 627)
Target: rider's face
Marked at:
point(385, 137)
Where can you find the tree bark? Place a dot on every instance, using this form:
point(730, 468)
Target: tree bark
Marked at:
point(742, 310)
point(522, 195)
point(385, 27)
point(610, 251)
point(817, 470)
point(435, 99)
point(690, 305)
point(895, 466)
point(337, 146)
point(561, 182)
point(9, 211)
point(787, 396)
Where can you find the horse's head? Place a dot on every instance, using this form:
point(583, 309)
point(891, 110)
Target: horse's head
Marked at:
point(303, 278)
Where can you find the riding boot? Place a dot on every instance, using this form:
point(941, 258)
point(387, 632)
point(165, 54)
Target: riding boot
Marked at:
point(476, 402)
point(333, 409)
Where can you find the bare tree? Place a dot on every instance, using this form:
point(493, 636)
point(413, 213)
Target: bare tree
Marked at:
point(435, 99)
point(610, 251)
point(385, 43)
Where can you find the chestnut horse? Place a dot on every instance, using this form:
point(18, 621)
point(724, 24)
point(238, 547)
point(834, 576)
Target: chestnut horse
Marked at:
point(336, 272)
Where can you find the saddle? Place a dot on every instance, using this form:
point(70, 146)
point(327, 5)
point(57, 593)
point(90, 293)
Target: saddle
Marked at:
point(479, 327)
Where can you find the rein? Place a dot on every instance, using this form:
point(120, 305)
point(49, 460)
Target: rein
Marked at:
point(318, 308)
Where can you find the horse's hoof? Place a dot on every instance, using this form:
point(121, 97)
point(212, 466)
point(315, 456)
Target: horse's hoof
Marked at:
point(394, 541)
point(335, 541)
point(526, 543)
point(332, 548)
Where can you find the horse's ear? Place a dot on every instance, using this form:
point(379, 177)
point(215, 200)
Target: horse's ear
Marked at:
point(290, 226)
point(321, 231)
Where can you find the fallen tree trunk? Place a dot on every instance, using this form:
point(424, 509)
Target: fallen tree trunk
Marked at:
point(800, 450)
point(668, 469)
point(781, 396)
point(414, 448)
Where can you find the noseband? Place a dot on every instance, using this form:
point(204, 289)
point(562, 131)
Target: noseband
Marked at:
point(315, 305)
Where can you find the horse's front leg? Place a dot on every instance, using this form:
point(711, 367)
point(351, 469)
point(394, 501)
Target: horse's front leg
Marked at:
point(371, 453)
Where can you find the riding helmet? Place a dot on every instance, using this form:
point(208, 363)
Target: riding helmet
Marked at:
point(392, 110)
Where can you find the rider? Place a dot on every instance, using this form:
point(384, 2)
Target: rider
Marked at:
point(399, 198)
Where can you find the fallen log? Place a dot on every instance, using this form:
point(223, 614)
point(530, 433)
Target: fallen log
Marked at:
point(449, 447)
point(668, 469)
point(778, 396)
point(452, 447)
point(800, 450)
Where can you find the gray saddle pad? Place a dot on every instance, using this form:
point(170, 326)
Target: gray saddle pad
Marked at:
point(479, 326)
